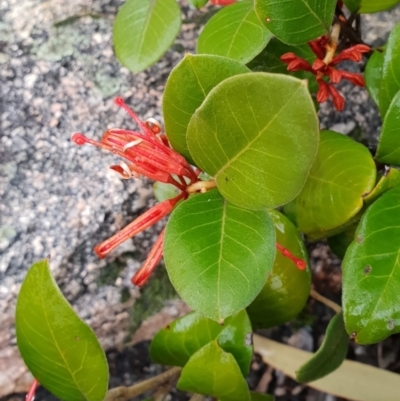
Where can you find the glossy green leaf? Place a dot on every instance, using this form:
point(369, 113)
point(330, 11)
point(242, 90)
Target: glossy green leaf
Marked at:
point(187, 87)
point(371, 273)
point(369, 6)
point(390, 83)
point(198, 3)
point(340, 242)
point(144, 30)
point(234, 32)
point(236, 135)
point(269, 61)
point(176, 343)
point(218, 255)
point(389, 142)
point(343, 172)
point(373, 75)
point(330, 355)
point(212, 371)
point(60, 350)
point(287, 288)
point(296, 21)
point(390, 179)
point(261, 397)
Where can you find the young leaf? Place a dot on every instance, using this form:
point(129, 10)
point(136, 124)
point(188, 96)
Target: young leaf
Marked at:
point(219, 376)
point(236, 135)
point(188, 85)
point(331, 354)
point(176, 343)
point(390, 83)
point(369, 6)
point(389, 180)
point(218, 255)
point(371, 273)
point(373, 75)
point(60, 350)
point(234, 32)
point(343, 172)
point(287, 288)
point(144, 30)
point(296, 21)
point(388, 151)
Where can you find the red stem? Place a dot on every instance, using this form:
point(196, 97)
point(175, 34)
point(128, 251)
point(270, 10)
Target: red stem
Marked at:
point(300, 263)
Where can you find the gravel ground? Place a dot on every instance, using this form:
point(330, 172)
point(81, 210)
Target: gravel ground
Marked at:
point(60, 200)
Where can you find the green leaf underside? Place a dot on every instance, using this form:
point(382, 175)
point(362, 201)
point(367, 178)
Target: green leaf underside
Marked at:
point(218, 255)
point(390, 82)
point(60, 350)
point(287, 288)
point(187, 87)
point(343, 172)
point(269, 61)
point(296, 21)
point(176, 343)
point(219, 376)
point(389, 180)
point(369, 6)
point(330, 355)
point(144, 30)
point(234, 32)
point(257, 134)
point(388, 151)
point(373, 75)
point(371, 273)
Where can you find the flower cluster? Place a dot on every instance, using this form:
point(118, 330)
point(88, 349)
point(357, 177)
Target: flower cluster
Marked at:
point(324, 68)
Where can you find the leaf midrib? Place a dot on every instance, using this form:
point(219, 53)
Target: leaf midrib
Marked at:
point(146, 25)
point(219, 260)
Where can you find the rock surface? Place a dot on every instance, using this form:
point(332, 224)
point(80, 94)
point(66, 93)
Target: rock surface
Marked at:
point(59, 76)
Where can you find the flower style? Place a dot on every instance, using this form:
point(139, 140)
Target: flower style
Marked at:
point(324, 68)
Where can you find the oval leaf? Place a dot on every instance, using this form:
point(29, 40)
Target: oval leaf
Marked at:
point(144, 30)
point(343, 172)
point(371, 273)
point(373, 75)
point(60, 350)
point(236, 135)
point(390, 83)
point(287, 288)
point(369, 6)
point(176, 343)
point(296, 21)
point(330, 355)
point(218, 255)
point(187, 87)
point(212, 371)
point(389, 142)
point(234, 32)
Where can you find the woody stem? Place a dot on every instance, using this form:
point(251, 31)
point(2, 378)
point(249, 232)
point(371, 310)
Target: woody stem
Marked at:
point(333, 43)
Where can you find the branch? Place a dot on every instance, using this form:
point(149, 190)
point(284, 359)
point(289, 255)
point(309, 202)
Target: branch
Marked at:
point(330, 304)
point(125, 393)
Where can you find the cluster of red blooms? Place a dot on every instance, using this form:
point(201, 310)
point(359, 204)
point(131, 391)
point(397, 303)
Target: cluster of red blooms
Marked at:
point(149, 154)
point(324, 68)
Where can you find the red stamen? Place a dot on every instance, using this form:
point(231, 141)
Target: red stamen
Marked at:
point(337, 98)
point(300, 263)
point(31, 393)
point(144, 221)
point(154, 257)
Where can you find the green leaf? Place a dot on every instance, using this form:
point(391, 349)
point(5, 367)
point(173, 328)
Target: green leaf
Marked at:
point(296, 21)
point(236, 135)
point(144, 30)
point(269, 61)
point(164, 191)
point(340, 242)
point(261, 397)
point(373, 75)
point(369, 6)
point(389, 142)
point(234, 32)
point(287, 288)
point(343, 172)
point(176, 343)
point(60, 350)
point(390, 179)
point(188, 85)
point(198, 3)
point(330, 355)
point(218, 255)
point(212, 371)
point(371, 273)
point(390, 83)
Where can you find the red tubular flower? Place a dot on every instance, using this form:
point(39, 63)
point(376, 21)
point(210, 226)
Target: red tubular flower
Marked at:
point(300, 263)
point(323, 91)
point(151, 262)
point(337, 98)
point(222, 2)
point(354, 78)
